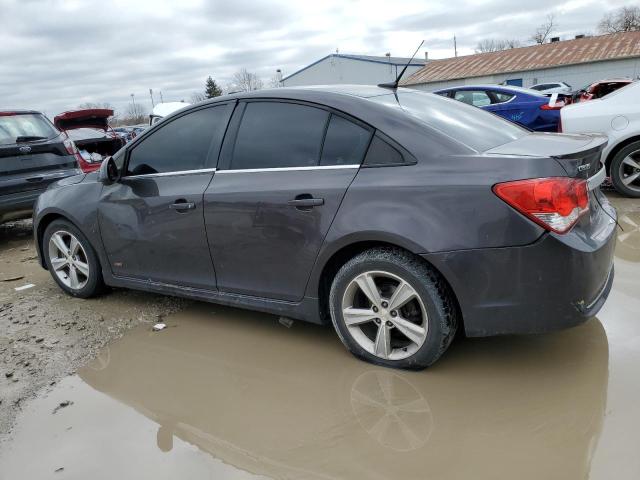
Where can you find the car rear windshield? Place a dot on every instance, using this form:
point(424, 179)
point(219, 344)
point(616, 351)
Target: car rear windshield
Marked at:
point(471, 126)
point(24, 127)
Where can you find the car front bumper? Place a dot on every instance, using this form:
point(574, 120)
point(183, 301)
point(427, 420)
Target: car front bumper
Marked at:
point(557, 282)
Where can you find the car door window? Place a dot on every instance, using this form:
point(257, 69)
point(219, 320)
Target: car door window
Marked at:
point(502, 97)
point(345, 142)
point(477, 98)
point(181, 144)
point(277, 135)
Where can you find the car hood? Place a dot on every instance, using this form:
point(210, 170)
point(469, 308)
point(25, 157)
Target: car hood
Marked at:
point(89, 118)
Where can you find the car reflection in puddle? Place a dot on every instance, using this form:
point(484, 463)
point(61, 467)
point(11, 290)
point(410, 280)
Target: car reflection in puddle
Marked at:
point(628, 247)
point(293, 404)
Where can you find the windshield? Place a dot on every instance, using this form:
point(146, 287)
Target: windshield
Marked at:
point(25, 127)
point(469, 125)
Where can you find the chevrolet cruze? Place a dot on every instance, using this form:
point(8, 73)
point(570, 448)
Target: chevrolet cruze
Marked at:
point(397, 216)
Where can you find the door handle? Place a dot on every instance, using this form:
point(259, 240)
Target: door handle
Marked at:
point(182, 205)
point(35, 179)
point(306, 201)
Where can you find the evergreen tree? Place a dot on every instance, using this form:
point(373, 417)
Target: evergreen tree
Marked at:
point(212, 89)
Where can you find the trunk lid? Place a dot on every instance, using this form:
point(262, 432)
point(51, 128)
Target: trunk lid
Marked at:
point(89, 118)
point(579, 155)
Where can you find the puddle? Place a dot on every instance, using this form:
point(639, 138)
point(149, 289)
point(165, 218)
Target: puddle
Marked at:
point(235, 395)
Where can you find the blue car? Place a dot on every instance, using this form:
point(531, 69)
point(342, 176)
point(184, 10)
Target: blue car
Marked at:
point(523, 106)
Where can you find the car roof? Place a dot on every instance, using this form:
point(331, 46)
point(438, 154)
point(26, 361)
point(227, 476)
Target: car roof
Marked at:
point(19, 112)
point(503, 88)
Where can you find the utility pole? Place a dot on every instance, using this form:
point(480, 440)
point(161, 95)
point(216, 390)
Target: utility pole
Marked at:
point(133, 100)
point(455, 46)
point(151, 94)
point(161, 99)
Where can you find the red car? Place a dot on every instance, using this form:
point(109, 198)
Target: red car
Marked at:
point(600, 89)
point(90, 132)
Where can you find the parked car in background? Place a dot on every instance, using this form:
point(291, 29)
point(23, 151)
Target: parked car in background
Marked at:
point(161, 110)
point(599, 89)
point(523, 106)
point(552, 87)
point(618, 116)
point(33, 154)
point(286, 201)
point(126, 133)
point(89, 129)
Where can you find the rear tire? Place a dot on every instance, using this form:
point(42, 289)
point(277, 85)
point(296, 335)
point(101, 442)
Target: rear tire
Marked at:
point(390, 308)
point(625, 166)
point(71, 260)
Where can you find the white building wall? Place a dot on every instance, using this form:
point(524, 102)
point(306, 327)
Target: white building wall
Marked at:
point(338, 70)
point(575, 75)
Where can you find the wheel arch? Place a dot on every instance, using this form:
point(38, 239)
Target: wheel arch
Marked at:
point(614, 151)
point(43, 222)
point(345, 252)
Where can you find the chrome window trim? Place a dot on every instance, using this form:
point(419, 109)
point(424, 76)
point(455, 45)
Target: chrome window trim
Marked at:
point(169, 174)
point(290, 169)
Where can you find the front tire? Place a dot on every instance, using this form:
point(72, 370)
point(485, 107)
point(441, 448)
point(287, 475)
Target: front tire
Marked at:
point(71, 260)
point(390, 308)
point(625, 170)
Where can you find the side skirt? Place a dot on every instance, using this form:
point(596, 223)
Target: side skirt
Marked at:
point(307, 309)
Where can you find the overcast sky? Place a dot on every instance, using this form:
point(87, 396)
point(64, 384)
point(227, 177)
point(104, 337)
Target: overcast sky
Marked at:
point(55, 55)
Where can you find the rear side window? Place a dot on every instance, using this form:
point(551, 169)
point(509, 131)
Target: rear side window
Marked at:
point(25, 127)
point(181, 144)
point(502, 97)
point(471, 97)
point(382, 153)
point(274, 134)
point(345, 142)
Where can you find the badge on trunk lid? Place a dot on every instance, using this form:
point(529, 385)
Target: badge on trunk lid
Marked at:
point(25, 149)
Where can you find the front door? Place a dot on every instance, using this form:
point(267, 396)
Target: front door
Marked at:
point(151, 221)
point(284, 170)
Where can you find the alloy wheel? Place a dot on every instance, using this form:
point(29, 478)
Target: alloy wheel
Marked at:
point(630, 171)
point(68, 260)
point(385, 315)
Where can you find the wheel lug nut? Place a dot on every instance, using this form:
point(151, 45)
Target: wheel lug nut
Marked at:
point(377, 321)
point(385, 304)
point(375, 309)
point(394, 313)
point(389, 324)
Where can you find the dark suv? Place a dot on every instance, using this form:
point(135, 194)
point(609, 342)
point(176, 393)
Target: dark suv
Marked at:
point(33, 153)
point(398, 216)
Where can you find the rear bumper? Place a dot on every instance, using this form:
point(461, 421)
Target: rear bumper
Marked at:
point(557, 282)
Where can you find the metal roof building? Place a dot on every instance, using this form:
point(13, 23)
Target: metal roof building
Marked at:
point(351, 69)
point(579, 61)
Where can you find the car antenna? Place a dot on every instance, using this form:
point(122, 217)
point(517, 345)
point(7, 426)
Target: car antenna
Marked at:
point(394, 85)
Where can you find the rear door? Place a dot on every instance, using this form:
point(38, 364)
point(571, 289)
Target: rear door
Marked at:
point(283, 171)
point(151, 221)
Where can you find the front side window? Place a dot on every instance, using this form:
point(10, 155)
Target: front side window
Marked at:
point(182, 144)
point(477, 98)
point(276, 135)
point(345, 143)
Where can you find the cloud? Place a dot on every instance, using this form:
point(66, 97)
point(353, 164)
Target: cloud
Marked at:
point(57, 54)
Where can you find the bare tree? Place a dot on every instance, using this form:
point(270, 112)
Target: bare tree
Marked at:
point(624, 19)
point(495, 45)
point(90, 105)
point(136, 114)
point(543, 32)
point(246, 81)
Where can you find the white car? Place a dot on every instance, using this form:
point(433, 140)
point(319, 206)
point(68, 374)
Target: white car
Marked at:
point(161, 110)
point(618, 116)
point(553, 87)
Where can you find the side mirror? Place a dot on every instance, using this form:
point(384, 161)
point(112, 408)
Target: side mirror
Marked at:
point(108, 172)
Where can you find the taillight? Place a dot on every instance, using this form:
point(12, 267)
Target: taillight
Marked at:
point(553, 203)
point(555, 106)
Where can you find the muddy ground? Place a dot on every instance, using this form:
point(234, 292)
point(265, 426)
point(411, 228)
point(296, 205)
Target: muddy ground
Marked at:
point(228, 393)
point(46, 335)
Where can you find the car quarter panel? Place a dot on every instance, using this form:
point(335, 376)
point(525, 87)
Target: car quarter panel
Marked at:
point(440, 204)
